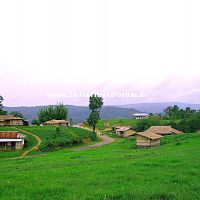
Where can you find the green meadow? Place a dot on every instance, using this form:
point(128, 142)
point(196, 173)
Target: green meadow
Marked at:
point(118, 171)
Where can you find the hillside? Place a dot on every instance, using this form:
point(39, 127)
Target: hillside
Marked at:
point(50, 139)
point(159, 107)
point(117, 171)
point(77, 113)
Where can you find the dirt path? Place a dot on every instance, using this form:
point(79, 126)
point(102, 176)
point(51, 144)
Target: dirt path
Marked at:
point(105, 140)
point(33, 148)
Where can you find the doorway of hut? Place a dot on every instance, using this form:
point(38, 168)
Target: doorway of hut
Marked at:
point(13, 145)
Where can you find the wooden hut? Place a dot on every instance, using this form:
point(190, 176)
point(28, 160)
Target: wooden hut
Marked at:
point(11, 120)
point(147, 139)
point(11, 140)
point(125, 131)
point(55, 122)
point(164, 130)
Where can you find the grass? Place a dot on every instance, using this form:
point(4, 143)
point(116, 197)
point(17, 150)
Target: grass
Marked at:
point(118, 171)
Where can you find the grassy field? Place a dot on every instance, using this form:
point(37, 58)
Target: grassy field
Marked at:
point(117, 171)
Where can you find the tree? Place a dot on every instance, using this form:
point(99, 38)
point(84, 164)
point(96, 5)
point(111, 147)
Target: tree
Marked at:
point(95, 104)
point(35, 122)
point(2, 112)
point(58, 112)
point(144, 124)
point(17, 114)
point(167, 111)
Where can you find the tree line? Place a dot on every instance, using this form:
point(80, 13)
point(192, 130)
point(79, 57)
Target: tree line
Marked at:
point(58, 112)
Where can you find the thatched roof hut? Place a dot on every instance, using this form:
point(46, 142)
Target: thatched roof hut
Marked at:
point(55, 122)
point(125, 131)
point(11, 120)
point(147, 139)
point(164, 130)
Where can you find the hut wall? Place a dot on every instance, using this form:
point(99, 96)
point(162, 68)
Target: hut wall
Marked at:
point(155, 142)
point(143, 141)
point(19, 145)
point(2, 145)
point(2, 123)
point(63, 124)
point(17, 122)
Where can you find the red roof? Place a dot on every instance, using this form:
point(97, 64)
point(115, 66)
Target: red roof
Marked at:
point(10, 135)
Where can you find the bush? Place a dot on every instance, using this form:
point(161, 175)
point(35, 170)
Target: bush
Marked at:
point(65, 137)
point(189, 125)
point(144, 124)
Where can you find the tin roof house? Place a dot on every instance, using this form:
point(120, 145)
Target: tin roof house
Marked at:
point(11, 140)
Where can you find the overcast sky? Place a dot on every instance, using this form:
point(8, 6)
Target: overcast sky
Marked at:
point(50, 49)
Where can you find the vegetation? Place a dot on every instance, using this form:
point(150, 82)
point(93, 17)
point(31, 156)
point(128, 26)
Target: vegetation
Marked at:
point(174, 112)
point(58, 112)
point(54, 138)
point(95, 104)
point(2, 112)
point(117, 171)
point(189, 125)
point(188, 119)
point(139, 125)
point(17, 114)
point(35, 122)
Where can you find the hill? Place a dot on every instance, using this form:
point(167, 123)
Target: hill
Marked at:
point(158, 107)
point(51, 139)
point(77, 113)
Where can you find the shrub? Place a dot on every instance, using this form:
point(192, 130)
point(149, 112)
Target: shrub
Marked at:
point(144, 124)
point(65, 137)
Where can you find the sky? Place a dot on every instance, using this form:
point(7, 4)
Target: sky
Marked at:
point(128, 51)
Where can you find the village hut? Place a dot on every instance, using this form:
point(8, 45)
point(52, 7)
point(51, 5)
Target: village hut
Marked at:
point(147, 139)
point(11, 120)
point(11, 140)
point(115, 127)
point(55, 122)
point(164, 130)
point(125, 131)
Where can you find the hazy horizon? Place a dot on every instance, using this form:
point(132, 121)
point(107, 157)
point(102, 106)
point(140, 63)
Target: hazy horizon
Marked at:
point(52, 50)
point(118, 105)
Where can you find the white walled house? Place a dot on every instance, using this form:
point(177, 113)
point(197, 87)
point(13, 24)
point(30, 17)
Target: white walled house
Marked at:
point(11, 140)
point(140, 115)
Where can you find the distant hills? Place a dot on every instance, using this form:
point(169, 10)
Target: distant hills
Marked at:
point(77, 113)
point(158, 107)
point(80, 113)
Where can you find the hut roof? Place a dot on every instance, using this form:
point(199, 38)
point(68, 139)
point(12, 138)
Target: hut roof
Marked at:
point(140, 114)
point(55, 121)
point(176, 131)
point(163, 130)
point(123, 128)
point(9, 117)
point(10, 135)
point(150, 135)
